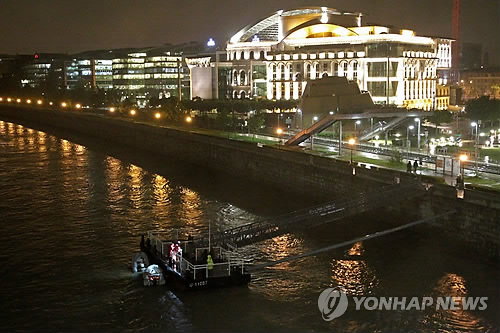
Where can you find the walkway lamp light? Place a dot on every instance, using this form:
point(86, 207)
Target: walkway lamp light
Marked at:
point(51, 103)
point(64, 104)
point(132, 112)
point(1, 99)
point(408, 129)
point(9, 99)
point(39, 102)
point(78, 106)
point(418, 133)
point(157, 115)
point(112, 109)
point(356, 123)
point(18, 100)
point(476, 125)
point(189, 119)
point(351, 143)
point(28, 101)
point(279, 131)
point(463, 158)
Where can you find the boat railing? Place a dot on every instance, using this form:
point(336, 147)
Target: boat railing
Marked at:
point(219, 269)
point(225, 261)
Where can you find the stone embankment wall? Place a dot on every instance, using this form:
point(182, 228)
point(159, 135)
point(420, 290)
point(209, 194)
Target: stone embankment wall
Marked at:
point(477, 219)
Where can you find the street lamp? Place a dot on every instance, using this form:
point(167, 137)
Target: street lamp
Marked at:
point(476, 125)
point(279, 131)
point(132, 112)
point(189, 119)
point(299, 112)
point(356, 123)
point(408, 129)
point(463, 158)
point(351, 144)
point(157, 115)
point(418, 133)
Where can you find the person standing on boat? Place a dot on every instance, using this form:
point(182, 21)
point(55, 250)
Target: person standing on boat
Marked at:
point(171, 255)
point(210, 263)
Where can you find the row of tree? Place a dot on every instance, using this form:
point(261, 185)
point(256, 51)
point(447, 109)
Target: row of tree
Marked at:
point(483, 108)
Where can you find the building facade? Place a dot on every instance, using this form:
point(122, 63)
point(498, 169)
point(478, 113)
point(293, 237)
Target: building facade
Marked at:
point(210, 75)
point(275, 57)
point(481, 82)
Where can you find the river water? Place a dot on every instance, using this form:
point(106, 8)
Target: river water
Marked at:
point(71, 216)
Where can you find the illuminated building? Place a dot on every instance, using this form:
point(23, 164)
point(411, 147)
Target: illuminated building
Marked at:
point(44, 69)
point(71, 74)
point(163, 73)
point(481, 82)
point(153, 72)
point(96, 73)
point(276, 56)
point(442, 100)
point(128, 72)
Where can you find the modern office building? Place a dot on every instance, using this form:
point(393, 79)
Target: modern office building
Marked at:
point(128, 72)
point(96, 73)
point(45, 70)
point(276, 56)
point(151, 73)
point(72, 77)
point(165, 75)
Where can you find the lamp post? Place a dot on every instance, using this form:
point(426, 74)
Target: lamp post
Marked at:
point(333, 129)
point(463, 159)
point(408, 140)
point(418, 134)
point(299, 112)
point(351, 144)
point(476, 125)
point(315, 119)
point(356, 123)
point(279, 131)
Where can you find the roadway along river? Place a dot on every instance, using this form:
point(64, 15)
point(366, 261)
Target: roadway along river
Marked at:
point(72, 213)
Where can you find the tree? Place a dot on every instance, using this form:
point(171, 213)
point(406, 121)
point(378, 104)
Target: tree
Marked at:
point(255, 123)
point(483, 108)
point(174, 110)
point(440, 117)
point(223, 120)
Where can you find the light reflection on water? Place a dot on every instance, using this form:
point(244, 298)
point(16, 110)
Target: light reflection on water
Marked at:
point(71, 220)
point(354, 274)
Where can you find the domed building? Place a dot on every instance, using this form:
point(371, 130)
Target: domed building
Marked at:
point(276, 56)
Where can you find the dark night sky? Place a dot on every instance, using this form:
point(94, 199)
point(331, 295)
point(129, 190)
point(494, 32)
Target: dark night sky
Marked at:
point(70, 26)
